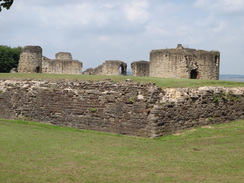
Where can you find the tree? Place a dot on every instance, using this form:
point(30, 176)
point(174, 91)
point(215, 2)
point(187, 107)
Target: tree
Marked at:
point(9, 58)
point(5, 4)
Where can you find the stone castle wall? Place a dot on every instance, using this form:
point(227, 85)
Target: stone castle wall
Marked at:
point(61, 66)
point(109, 67)
point(131, 108)
point(184, 63)
point(140, 68)
point(166, 63)
point(30, 60)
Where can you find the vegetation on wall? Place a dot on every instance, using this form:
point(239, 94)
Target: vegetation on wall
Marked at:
point(9, 58)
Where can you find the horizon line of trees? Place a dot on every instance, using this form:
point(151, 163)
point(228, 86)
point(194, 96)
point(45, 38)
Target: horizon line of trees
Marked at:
point(9, 58)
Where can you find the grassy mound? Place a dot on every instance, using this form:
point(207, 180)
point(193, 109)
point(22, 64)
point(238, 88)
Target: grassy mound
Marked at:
point(35, 152)
point(161, 82)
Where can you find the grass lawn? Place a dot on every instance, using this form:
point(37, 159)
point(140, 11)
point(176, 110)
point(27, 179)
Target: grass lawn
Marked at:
point(34, 152)
point(162, 82)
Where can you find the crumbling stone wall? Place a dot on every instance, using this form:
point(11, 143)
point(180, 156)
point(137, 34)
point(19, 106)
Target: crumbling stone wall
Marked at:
point(109, 67)
point(30, 60)
point(63, 64)
point(184, 63)
point(140, 68)
point(131, 108)
point(183, 108)
point(101, 106)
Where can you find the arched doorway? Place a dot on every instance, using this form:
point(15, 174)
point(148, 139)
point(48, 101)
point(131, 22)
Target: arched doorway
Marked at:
point(194, 74)
point(123, 68)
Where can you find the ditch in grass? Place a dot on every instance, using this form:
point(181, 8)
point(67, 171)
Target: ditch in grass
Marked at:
point(33, 152)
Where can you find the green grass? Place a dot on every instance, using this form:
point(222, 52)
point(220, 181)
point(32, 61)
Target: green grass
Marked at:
point(34, 152)
point(162, 82)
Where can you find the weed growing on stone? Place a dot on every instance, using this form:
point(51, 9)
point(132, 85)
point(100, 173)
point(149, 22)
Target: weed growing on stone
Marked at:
point(215, 98)
point(132, 100)
point(93, 109)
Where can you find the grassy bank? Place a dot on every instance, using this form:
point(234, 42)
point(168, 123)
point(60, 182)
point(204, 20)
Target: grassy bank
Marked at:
point(34, 152)
point(162, 82)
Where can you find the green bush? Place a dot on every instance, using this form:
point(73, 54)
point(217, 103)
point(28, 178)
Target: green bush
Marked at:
point(9, 58)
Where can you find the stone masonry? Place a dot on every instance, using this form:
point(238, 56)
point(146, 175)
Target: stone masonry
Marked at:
point(181, 62)
point(109, 67)
point(184, 63)
point(140, 68)
point(63, 64)
point(30, 60)
point(131, 108)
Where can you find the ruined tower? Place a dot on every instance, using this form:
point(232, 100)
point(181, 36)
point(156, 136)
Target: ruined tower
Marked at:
point(184, 63)
point(140, 68)
point(30, 60)
point(63, 56)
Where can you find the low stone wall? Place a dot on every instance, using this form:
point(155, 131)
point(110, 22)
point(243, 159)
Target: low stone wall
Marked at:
point(138, 109)
point(181, 108)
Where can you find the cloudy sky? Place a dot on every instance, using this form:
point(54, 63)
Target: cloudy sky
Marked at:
point(98, 30)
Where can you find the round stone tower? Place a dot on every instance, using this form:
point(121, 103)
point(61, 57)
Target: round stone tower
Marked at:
point(30, 60)
point(63, 56)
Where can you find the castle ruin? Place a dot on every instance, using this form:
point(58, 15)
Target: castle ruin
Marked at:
point(184, 63)
point(140, 68)
point(32, 61)
point(63, 64)
point(177, 62)
point(109, 67)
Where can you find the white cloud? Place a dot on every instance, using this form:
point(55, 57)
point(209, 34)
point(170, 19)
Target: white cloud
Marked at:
point(221, 5)
point(82, 14)
point(137, 11)
point(96, 30)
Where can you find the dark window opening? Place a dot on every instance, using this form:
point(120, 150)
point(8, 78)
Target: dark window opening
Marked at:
point(194, 74)
point(216, 59)
point(37, 69)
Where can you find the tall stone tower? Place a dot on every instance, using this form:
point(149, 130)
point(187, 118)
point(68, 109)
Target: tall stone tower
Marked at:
point(186, 63)
point(30, 60)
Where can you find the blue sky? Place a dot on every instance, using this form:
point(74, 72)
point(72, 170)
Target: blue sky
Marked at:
point(98, 30)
